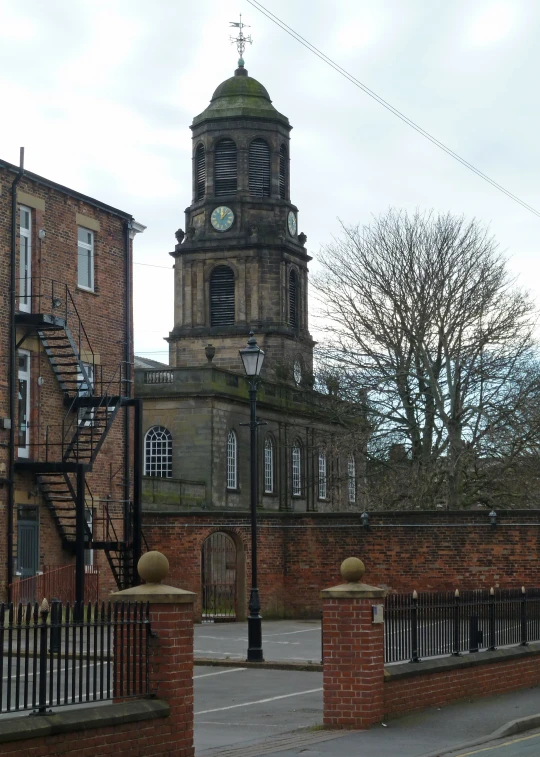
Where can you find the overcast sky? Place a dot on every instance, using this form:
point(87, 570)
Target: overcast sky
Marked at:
point(102, 92)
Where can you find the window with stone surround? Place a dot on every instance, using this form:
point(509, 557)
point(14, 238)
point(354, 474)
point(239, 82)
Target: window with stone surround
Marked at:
point(283, 166)
point(232, 460)
point(268, 465)
point(225, 168)
point(259, 168)
point(200, 172)
point(322, 474)
point(351, 471)
point(158, 452)
point(222, 296)
point(86, 258)
point(293, 299)
point(296, 469)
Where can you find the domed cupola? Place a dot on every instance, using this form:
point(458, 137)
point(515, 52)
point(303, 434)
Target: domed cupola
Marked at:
point(240, 96)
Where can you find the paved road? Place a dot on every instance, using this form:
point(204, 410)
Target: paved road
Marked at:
point(283, 640)
point(527, 745)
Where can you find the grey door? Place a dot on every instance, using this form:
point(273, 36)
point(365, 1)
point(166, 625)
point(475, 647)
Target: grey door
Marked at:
point(27, 541)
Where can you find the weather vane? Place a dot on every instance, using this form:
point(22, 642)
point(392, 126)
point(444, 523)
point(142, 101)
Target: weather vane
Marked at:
point(241, 39)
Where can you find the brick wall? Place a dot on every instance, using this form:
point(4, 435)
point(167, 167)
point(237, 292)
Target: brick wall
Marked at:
point(299, 555)
point(487, 675)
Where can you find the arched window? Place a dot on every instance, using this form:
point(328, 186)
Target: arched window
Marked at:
point(222, 296)
point(283, 172)
point(225, 168)
point(322, 474)
point(293, 299)
point(232, 461)
point(200, 172)
point(351, 471)
point(296, 469)
point(259, 168)
point(268, 466)
point(158, 452)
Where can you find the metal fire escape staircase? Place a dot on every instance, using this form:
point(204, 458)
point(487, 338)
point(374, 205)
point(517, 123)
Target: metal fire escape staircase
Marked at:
point(93, 401)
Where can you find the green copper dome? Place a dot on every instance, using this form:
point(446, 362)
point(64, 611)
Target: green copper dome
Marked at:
point(241, 95)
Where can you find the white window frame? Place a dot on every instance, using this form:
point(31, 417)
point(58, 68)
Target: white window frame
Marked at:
point(88, 247)
point(24, 375)
point(322, 474)
point(268, 466)
point(86, 414)
point(232, 461)
point(89, 553)
point(351, 471)
point(296, 470)
point(25, 245)
point(158, 459)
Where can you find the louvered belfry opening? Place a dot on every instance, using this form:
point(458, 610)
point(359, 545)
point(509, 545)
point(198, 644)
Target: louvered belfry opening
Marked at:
point(222, 296)
point(200, 172)
point(225, 168)
point(283, 172)
point(259, 168)
point(293, 299)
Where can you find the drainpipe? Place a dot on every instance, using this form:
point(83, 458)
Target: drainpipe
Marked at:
point(127, 359)
point(12, 375)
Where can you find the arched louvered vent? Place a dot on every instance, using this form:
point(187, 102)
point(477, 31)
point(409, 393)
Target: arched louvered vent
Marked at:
point(225, 168)
point(283, 172)
point(293, 299)
point(222, 296)
point(259, 168)
point(200, 172)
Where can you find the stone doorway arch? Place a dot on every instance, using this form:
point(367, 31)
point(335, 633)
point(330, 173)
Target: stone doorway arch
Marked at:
point(223, 578)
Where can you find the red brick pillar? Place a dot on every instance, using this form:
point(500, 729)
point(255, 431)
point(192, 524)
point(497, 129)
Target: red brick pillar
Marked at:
point(170, 657)
point(353, 650)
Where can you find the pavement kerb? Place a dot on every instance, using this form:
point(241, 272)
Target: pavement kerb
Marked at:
point(312, 667)
point(511, 728)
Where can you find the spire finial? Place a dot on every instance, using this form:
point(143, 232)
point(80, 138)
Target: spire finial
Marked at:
point(241, 40)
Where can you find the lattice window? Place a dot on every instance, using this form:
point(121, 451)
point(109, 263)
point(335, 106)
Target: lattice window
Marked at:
point(293, 299)
point(232, 461)
point(200, 172)
point(322, 474)
point(222, 296)
point(283, 166)
point(158, 452)
point(296, 470)
point(351, 470)
point(268, 466)
point(225, 168)
point(259, 168)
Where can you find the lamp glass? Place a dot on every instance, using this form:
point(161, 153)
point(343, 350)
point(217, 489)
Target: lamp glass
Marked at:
point(252, 358)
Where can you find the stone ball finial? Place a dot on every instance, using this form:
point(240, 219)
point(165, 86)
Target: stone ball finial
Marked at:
point(352, 570)
point(153, 567)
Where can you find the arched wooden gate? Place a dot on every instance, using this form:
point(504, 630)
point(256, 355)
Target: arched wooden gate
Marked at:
point(219, 578)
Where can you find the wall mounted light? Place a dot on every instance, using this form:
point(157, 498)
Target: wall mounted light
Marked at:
point(364, 519)
point(493, 518)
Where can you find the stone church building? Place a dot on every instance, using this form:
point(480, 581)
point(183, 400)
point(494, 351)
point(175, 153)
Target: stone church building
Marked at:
point(242, 265)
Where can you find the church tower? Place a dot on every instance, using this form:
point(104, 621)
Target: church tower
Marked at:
point(241, 263)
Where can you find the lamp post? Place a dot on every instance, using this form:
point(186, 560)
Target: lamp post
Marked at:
point(252, 358)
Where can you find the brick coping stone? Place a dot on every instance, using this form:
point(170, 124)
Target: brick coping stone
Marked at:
point(468, 660)
point(81, 719)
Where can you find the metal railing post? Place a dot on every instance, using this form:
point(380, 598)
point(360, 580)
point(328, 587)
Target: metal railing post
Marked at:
point(414, 627)
point(492, 645)
point(42, 700)
point(457, 646)
point(524, 641)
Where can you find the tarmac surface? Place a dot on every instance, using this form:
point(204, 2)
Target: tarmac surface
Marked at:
point(245, 712)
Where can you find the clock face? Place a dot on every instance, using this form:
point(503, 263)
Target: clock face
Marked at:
point(291, 223)
point(222, 218)
point(297, 372)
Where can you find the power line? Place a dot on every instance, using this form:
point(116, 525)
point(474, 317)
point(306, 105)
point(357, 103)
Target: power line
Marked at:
point(295, 35)
point(151, 265)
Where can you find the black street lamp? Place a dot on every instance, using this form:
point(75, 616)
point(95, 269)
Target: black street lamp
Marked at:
point(252, 358)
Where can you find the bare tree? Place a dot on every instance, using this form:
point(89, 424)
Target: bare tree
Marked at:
point(421, 313)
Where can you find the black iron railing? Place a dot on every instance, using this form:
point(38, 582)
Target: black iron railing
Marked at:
point(69, 654)
point(453, 623)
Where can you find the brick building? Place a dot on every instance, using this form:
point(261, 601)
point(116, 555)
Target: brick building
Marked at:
point(242, 265)
point(66, 452)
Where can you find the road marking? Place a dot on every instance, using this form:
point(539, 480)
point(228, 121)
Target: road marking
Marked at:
point(220, 672)
point(499, 746)
point(290, 633)
point(236, 725)
point(259, 701)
